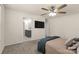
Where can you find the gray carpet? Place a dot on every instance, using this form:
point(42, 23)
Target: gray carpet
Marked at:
point(28, 47)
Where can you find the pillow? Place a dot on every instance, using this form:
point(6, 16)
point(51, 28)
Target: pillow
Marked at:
point(78, 50)
point(72, 44)
point(72, 48)
point(75, 46)
point(77, 39)
point(69, 42)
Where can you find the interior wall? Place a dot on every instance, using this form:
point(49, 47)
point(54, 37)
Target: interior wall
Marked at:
point(14, 27)
point(65, 26)
point(38, 33)
point(2, 27)
point(47, 28)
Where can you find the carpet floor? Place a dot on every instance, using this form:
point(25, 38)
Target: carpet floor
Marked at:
point(28, 47)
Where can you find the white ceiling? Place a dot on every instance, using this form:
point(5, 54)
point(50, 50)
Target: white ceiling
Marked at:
point(36, 8)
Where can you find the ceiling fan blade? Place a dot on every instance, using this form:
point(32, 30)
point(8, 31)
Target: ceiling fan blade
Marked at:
point(44, 9)
point(43, 14)
point(62, 6)
point(61, 12)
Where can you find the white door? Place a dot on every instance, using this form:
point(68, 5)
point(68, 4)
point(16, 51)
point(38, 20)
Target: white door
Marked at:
point(0, 30)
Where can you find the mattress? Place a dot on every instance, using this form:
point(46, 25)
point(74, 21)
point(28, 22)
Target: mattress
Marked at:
point(57, 47)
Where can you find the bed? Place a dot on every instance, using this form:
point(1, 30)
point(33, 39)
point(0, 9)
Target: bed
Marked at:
point(57, 47)
point(42, 43)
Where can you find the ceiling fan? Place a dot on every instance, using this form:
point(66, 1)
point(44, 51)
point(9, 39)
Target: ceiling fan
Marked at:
point(54, 10)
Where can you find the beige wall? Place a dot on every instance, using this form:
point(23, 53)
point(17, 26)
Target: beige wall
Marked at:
point(66, 26)
point(2, 28)
point(14, 27)
point(38, 33)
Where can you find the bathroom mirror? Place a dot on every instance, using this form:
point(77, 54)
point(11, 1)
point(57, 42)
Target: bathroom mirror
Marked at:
point(27, 27)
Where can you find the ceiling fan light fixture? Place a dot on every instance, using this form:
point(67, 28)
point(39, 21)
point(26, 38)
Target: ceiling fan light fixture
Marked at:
point(52, 14)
